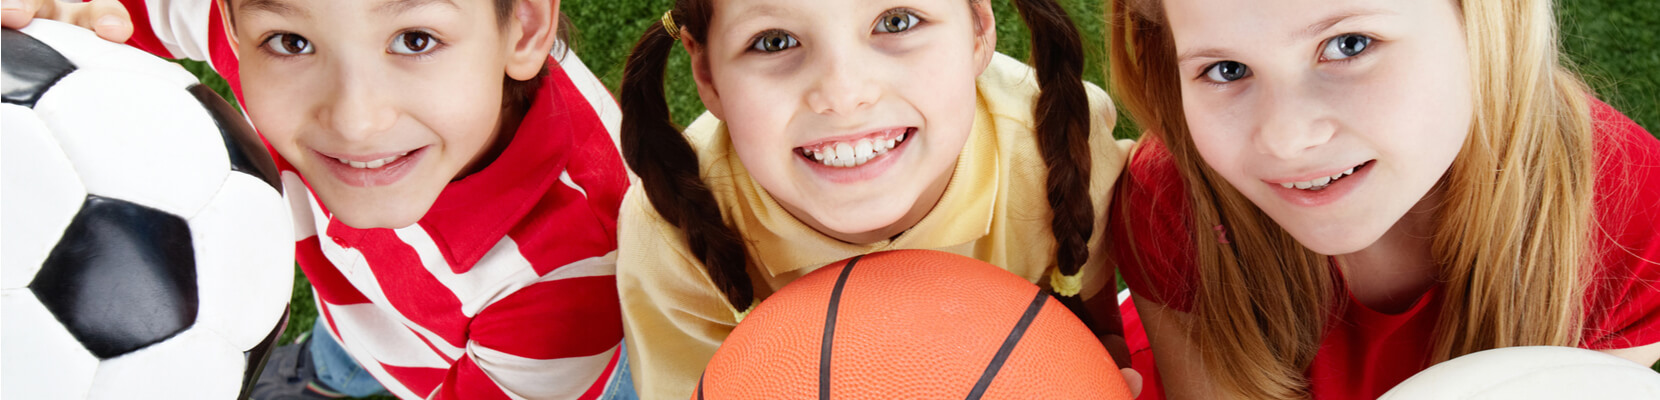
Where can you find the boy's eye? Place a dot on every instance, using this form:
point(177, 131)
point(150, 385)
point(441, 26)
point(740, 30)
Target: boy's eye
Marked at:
point(414, 42)
point(896, 21)
point(773, 42)
point(1227, 71)
point(1344, 46)
point(289, 44)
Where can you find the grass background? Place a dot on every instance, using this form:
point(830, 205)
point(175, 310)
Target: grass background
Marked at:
point(1614, 43)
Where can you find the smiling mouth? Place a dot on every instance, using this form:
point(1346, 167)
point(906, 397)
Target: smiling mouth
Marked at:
point(853, 153)
point(373, 163)
point(1318, 184)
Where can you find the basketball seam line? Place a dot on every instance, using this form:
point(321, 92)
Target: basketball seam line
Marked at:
point(830, 331)
point(1008, 345)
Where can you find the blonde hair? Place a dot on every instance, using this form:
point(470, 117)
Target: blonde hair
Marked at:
point(1512, 238)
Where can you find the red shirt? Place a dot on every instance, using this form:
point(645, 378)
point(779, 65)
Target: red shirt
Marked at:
point(1366, 352)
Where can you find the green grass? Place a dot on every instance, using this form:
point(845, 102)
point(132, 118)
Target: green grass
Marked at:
point(1614, 43)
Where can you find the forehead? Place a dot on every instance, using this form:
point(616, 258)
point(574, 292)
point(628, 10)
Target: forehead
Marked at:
point(1271, 20)
point(305, 8)
point(745, 10)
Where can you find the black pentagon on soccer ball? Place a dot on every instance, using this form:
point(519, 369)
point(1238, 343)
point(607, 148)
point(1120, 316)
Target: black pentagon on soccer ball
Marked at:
point(29, 68)
point(122, 277)
point(259, 354)
point(247, 153)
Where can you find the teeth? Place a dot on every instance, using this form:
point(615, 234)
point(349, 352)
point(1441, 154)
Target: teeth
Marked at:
point(844, 155)
point(1318, 183)
point(371, 164)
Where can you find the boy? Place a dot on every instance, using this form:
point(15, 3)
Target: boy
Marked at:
point(460, 228)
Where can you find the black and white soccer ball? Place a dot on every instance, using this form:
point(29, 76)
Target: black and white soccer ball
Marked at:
point(147, 249)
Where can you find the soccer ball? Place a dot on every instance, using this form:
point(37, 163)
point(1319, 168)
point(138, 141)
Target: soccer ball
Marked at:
point(1534, 372)
point(147, 250)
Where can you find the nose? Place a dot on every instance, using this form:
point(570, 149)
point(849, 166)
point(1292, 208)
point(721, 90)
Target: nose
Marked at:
point(1293, 120)
point(359, 107)
point(841, 88)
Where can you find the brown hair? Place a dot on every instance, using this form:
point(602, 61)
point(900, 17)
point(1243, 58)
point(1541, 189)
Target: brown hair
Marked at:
point(1512, 236)
point(669, 170)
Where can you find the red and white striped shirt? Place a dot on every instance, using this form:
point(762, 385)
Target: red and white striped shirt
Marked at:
point(506, 287)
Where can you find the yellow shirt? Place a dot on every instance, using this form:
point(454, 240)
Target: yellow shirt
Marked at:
point(994, 209)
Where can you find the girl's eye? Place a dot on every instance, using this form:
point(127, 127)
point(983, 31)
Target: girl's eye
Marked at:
point(896, 21)
point(288, 44)
point(1227, 71)
point(414, 42)
point(1344, 46)
point(773, 42)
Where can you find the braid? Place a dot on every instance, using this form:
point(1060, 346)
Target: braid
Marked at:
point(1062, 127)
point(669, 170)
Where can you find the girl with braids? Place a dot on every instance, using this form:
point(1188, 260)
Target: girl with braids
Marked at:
point(842, 128)
point(1333, 196)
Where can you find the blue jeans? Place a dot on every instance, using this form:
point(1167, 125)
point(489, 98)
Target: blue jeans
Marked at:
point(340, 373)
point(336, 369)
point(622, 382)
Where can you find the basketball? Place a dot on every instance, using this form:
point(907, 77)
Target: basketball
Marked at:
point(911, 324)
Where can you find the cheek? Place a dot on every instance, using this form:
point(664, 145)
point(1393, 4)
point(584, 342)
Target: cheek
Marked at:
point(462, 112)
point(1220, 140)
point(1421, 110)
point(275, 112)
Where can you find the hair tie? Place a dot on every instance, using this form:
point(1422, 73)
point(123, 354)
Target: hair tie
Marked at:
point(1066, 285)
point(668, 25)
point(738, 316)
point(1221, 234)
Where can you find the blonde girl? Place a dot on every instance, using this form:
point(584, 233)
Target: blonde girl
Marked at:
point(1334, 195)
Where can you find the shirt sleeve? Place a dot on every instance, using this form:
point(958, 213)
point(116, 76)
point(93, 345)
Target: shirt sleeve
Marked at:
point(188, 29)
point(1148, 221)
point(673, 316)
point(1623, 307)
point(554, 339)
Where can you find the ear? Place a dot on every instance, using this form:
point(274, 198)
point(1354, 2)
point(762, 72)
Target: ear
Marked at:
point(985, 33)
point(703, 75)
point(531, 32)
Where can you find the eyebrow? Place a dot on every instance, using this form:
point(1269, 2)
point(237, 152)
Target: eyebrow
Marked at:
point(271, 6)
point(1312, 29)
point(1328, 22)
point(764, 9)
point(395, 7)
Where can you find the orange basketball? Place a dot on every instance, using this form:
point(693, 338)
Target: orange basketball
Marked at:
point(911, 324)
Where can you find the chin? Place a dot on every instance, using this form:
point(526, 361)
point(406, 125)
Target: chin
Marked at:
point(859, 220)
point(1335, 241)
point(372, 214)
point(371, 220)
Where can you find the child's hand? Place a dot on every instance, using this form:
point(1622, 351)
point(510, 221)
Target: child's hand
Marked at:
point(1133, 380)
point(105, 17)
